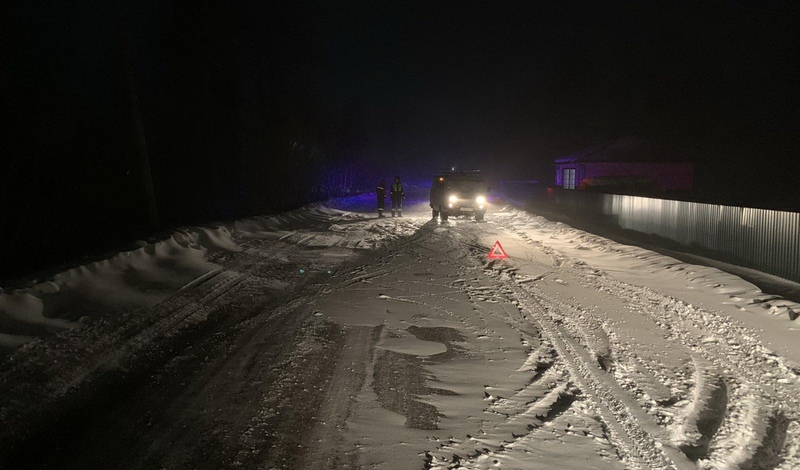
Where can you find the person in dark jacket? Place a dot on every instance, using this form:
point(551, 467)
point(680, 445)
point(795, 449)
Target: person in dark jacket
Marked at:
point(397, 194)
point(381, 192)
point(437, 200)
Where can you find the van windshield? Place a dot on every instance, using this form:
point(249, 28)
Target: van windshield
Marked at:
point(472, 186)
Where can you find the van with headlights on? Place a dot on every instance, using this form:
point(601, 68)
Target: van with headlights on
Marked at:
point(455, 193)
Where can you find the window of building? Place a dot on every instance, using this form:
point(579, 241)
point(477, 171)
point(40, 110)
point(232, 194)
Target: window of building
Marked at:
point(568, 180)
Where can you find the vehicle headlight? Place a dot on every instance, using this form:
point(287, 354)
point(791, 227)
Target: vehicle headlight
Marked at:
point(453, 198)
point(481, 200)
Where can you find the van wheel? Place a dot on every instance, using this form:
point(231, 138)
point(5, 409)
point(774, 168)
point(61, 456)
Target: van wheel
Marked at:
point(479, 217)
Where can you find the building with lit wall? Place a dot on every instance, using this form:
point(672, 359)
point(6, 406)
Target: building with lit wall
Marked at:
point(629, 165)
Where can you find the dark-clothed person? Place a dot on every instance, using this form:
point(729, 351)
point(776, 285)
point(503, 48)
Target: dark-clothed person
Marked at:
point(397, 194)
point(437, 199)
point(381, 193)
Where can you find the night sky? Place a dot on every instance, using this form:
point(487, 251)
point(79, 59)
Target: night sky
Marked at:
point(251, 107)
point(523, 84)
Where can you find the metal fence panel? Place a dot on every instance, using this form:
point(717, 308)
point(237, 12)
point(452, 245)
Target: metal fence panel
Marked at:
point(762, 239)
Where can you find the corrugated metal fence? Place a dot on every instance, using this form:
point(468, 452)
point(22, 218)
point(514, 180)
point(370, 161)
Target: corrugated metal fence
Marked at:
point(763, 239)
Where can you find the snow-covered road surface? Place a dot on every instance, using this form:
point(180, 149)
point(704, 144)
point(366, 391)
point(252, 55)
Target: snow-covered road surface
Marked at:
point(327, 338)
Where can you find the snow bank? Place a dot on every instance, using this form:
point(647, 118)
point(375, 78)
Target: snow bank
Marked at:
point(145, 276)
point(128, 280)
point(141, 277)
point(639, 264)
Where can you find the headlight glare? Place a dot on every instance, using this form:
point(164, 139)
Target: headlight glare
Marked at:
point(453, 198)
point(481, 200)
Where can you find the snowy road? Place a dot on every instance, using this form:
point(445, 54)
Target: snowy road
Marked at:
point(325, 338)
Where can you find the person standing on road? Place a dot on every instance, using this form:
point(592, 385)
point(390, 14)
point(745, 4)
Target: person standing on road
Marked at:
point(437, 199)
point(381, 193)
point(397, 194)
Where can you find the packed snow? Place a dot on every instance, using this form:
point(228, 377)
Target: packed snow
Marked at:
point(328, 338)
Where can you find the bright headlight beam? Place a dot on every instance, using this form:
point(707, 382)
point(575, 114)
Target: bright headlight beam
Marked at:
point(453, 199)
point(481, 200)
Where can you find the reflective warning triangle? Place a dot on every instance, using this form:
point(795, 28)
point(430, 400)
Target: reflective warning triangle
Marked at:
point(497, 251)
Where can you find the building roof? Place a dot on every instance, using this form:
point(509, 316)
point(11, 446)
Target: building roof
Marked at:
point(628, 149)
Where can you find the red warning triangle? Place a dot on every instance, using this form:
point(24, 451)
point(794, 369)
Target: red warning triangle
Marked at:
point(497, 251)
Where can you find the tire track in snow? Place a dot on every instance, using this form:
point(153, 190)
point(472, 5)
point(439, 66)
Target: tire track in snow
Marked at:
point(641, 442)
point(640, 446)
point(705, 412)
point(634, 443)
point(735, 353)
point(548, 395)
point(536, 402)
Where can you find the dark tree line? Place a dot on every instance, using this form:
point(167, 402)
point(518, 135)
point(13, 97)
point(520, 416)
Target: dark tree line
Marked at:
point(123, 119)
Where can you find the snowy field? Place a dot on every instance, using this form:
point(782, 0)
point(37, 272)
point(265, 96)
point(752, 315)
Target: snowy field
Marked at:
point(328, 338)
